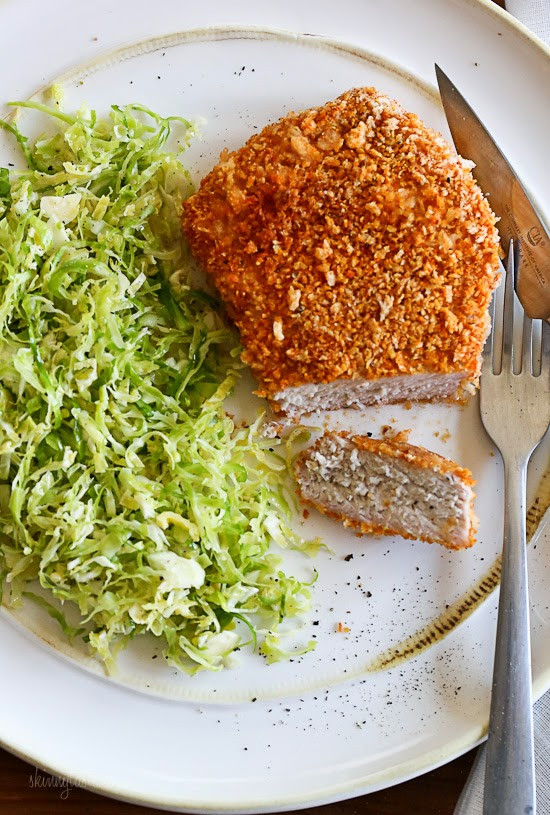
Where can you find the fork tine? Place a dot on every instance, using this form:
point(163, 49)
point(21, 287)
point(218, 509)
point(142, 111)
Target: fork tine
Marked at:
point(527, 365)
point(508, 311)
point(545, 352)
point(487, 365)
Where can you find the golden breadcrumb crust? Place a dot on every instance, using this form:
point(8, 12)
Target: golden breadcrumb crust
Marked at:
point(417, 457)
point(348, 240)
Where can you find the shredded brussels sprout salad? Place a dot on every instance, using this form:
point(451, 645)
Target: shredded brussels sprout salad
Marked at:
point(125, 487)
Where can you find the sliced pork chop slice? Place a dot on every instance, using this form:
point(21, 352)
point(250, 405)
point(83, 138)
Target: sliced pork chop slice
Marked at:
point(360, 392)
point(389, 487)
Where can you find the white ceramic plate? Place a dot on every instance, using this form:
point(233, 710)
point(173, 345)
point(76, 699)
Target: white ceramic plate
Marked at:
point(349, 717)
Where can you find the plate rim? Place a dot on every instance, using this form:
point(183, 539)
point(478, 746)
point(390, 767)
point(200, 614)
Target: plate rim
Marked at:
point(493, 8)
point(397, 774)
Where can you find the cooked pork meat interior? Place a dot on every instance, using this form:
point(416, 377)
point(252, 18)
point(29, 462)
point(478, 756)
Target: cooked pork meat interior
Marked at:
point(355, 253)
point(389, 487)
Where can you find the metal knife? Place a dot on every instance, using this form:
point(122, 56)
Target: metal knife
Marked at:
point(508, 199)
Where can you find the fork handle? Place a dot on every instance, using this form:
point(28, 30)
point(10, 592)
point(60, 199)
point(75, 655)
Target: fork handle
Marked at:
point(510, 768)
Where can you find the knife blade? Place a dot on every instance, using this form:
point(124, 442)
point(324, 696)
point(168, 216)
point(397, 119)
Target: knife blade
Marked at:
point(518, 217)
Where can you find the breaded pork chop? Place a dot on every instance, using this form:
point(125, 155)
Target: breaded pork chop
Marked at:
point(355, 253)
point(389, 487)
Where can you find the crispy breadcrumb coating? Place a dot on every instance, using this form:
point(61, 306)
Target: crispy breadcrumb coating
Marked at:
point(348, 241)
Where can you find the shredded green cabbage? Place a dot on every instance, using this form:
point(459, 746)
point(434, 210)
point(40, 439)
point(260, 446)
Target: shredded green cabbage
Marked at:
point(125, 488)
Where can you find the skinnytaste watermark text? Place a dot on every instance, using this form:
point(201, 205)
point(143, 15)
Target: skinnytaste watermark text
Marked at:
point(42, 781)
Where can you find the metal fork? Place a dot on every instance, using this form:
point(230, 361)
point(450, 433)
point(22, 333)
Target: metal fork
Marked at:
point(515, 410)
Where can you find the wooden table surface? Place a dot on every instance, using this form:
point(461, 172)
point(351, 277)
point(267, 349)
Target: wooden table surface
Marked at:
point(24, 790)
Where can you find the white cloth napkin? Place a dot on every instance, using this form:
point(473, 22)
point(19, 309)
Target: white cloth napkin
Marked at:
point(471, 800)
point(535, 14)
